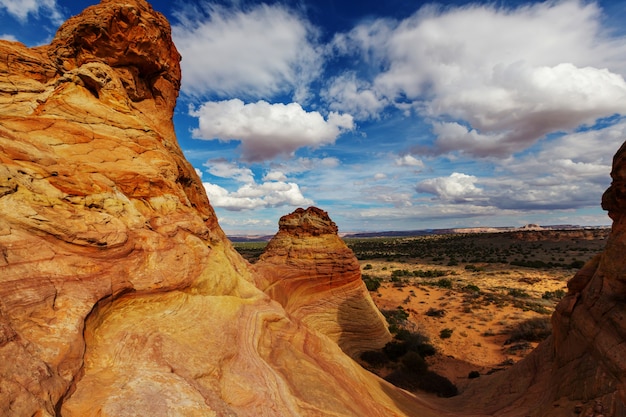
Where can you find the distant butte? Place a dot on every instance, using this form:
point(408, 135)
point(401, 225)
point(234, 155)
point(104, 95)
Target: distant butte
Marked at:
point(121, 296)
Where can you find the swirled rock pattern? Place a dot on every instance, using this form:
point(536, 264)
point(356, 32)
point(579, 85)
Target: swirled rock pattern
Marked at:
point(119, 293)
point(316, 277)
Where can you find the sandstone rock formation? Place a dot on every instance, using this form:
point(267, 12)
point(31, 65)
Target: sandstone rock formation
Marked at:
point(119, 293)
point(121, 296)
point(308, 269)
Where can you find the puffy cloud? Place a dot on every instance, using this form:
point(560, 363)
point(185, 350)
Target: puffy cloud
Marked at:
point(409, 161)
point(20, 9)
point(268, 130)
point(254, 196)
point(494, 80)
point(275, 176)
point(457, 187)
point(259, 52)
point(225, 169)
point(8, 38)
point(349, 94)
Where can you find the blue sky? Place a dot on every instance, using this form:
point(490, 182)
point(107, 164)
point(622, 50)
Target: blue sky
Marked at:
point(393, 115)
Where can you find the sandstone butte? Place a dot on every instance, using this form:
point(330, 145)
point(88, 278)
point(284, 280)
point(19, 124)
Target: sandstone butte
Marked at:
point(121, 296)
point(311, 272)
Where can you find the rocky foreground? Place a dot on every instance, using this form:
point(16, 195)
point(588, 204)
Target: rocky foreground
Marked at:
point(121, 296)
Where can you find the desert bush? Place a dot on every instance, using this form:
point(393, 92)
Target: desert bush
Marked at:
point(435, 312)
point(446, 333)
point(413, 362)
point(415, 342)
point(368, 266)
point(432, 273)
point(427, 381)
point(556, 294)
point(371, 283)
point(531, 330)
point(375, 358)
point(471, 288)
point(444, 283)
point(519, 293)
point(396, 318)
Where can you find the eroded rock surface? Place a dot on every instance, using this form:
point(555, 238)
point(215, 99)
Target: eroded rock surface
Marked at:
point(119, 293)
point(316, 277)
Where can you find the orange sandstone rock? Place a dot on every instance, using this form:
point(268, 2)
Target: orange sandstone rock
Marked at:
point(309, 270)
point(119, 293)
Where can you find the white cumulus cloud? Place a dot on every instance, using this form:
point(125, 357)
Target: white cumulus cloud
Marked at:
point(349, 94)
point(255, 196)
point(495, 80)
point(258, 52)
point(220, 167)
point(457, 187)
point(268, 130)
point(21, 9)
point(409, 161)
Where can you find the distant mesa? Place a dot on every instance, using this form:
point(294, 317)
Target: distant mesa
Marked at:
point(531, 226)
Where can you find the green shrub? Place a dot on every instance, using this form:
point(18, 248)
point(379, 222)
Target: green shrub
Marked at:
point(371, 283)
point(435, 312)
point(556, 294)
point(446, 333)
point(444, 283)
point(519, 293)
point(471, 288)
point(531, 330)
point(376, 358)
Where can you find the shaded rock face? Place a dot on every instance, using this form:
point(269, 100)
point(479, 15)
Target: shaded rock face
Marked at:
point(119, 293)
point(309, 270)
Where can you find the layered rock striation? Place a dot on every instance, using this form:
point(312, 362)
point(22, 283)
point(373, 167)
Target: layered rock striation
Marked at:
point(119, 293)
point(310, 271)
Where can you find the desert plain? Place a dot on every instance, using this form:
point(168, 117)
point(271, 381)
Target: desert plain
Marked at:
point(483, 300)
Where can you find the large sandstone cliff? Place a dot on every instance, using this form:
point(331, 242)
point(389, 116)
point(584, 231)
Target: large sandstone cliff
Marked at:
point(316, 277)
point(119, 294)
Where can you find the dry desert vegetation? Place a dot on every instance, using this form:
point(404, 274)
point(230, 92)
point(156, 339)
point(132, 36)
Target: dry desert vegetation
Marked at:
point(464, 305)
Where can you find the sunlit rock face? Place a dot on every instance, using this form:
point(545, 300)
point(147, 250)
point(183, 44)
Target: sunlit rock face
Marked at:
point(119, 294)
point(316, 277)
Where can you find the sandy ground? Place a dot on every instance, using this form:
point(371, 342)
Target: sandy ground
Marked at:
point(481, 322)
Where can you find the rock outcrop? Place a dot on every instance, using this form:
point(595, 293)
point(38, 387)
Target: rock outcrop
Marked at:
point(309, 270)
point(581, 368)
point(119, 293)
